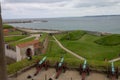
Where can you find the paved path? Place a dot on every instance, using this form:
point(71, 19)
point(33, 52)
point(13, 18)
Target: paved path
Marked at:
point(45, 75)
point(79, 57)
point(114, 60)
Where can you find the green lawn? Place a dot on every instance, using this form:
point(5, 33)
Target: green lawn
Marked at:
point(87, 48)
point(117, 63)
point(22, 41)
point(16, 32)
point(13, 38)
point(75, 35)
point(83, 45)
point(54, 54)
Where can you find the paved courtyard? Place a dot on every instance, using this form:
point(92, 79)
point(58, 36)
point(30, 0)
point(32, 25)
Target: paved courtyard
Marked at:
point(68, 75)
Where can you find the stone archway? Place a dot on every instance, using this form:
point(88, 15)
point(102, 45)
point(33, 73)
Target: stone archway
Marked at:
point(29, 53)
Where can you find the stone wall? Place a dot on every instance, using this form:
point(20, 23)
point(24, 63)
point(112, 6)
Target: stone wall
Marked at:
point(21, 52)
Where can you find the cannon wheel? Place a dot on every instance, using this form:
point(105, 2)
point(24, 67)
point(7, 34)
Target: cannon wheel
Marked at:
point(108, 72)
point(88, 70)
point(46, 65)
point(56, 66)
point(83, 75)
point(64, 67)
point(80, 69)
point(117, 72)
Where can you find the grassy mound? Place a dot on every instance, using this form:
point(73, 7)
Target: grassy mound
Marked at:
point(74, 35)
point(5, 26)
point(110, 40)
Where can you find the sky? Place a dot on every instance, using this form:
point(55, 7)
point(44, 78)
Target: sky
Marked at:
point(12, 9)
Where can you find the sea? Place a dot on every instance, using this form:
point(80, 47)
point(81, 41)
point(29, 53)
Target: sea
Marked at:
point(109, 24)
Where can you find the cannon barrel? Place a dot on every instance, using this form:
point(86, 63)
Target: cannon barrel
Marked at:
point(61, 62)
point(60, 67)
point(112, 68)
point(84, 65)
point(41, 61)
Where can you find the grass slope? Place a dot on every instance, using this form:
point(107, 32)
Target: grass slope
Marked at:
point(110, 40)
point(86, 47)
point(75, 35)
point(54, 53)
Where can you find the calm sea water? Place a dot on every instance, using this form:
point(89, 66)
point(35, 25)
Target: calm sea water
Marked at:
point(102, 24)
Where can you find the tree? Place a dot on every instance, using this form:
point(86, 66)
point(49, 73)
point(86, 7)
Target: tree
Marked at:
point(3, 74)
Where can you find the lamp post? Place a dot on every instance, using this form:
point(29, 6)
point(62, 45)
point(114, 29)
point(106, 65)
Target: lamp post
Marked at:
point(3, 74)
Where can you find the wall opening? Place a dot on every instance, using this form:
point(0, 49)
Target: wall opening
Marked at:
point(29, 52)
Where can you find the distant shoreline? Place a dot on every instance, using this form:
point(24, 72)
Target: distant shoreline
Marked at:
point(23, 21)
point(31, 30)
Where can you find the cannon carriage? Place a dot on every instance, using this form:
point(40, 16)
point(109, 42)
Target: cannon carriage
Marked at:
point(60, 67)
point(41, 64)
point(84, 70)
point(112, 72)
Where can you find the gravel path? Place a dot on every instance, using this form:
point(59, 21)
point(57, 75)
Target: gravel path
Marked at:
point(37, 36)
point(114, 60)
point(79, 57)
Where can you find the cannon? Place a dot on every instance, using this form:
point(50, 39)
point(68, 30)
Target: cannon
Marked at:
point(40, 64)
point(60, 67)
point(84, 70)
point(112, 72)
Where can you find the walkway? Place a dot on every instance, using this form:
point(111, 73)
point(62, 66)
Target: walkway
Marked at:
point(114, 60)
point(79, 57)
point(37, 36)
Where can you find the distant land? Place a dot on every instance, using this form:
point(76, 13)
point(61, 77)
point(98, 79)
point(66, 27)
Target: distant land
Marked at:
point(103, 16)
point(32, 20)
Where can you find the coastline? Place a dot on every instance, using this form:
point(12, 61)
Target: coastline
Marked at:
point(31, 30)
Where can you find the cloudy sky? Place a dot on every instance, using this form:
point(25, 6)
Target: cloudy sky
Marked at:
point(58, 8)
